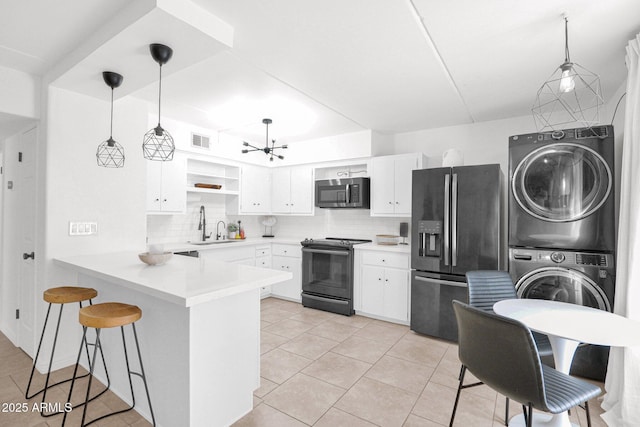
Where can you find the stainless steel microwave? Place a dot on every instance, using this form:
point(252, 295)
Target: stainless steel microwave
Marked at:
point(343, 193)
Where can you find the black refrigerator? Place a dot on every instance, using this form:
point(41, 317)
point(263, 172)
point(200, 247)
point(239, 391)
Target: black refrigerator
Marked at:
point(455, 216)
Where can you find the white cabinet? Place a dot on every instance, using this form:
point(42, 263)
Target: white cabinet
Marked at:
point(292, 191)
point(255, 190)
point(263, 260)
point(382, 283)
point(287, 258)
point(391, 184)
point(207, 177)
point(165, 186)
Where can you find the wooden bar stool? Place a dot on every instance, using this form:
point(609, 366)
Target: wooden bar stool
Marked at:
point(60, 295)
point(109, 315)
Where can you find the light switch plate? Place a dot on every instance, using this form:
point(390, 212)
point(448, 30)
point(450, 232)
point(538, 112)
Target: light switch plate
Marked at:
point(82, 228)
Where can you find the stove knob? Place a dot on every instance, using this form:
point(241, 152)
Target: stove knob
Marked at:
point(557, 257)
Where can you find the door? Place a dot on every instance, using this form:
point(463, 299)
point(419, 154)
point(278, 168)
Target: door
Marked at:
point(281, 190)
point(430, 207)
point(564, 285)
point(475, 225)
point(402, 188)
point(562, 182)
point(327, 272)
point(26, 188)
point(384, 185)
point(302, 190)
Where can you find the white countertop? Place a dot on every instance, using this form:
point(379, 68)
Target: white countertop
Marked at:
point(186, 281)
point(252, 241)
point(405, 249)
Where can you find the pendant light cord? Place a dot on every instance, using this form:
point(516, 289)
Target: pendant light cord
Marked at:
point(159, 94)
point(111, 124)
point(566, 40)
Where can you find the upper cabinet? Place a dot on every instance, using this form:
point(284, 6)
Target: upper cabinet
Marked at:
point(391, 183)
point(255, 190)
point(165, 186)
point(292, 191)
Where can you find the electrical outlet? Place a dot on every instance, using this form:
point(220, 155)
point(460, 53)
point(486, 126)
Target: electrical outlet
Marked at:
point(82, 228)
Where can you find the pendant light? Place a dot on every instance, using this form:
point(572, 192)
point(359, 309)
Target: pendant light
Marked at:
point(572, 94)
point(110, 154)
point(266, 150)
point(158, 143)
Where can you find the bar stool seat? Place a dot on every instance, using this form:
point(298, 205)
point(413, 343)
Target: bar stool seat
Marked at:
point(60, 295)
point(103, 316)
point(109, 315)
point(68, 294)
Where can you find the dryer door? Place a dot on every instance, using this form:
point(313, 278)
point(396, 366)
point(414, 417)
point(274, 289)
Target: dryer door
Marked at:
point(562, 284)
point(561, 182)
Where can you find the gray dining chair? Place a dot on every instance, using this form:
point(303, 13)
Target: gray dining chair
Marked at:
point(502, 354)
point(487, 287)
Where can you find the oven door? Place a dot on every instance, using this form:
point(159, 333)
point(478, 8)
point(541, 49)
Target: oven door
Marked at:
point(327, 272)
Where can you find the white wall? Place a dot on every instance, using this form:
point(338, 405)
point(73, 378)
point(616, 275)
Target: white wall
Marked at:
point(19, 93)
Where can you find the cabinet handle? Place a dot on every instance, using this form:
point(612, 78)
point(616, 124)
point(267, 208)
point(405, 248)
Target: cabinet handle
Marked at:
point(397, 203)
point(164, 200)
point(390, 203)
point(384, 260)
point(157, 200)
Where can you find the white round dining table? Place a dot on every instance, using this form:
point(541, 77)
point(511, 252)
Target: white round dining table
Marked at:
point(567, 326)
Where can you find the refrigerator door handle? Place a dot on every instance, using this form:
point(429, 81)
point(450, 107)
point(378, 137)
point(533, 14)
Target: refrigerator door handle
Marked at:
point(440, 281)
point(348, 193)
point(447, 179)
point(454, 220)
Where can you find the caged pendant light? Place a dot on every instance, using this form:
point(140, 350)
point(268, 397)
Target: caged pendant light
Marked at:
point(266, 150)
point(110, 154)
point(158, 143)
point(572, 94)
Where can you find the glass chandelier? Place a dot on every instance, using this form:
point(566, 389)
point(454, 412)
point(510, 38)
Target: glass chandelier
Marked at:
point(110, 154)
point(158, 143)
point(572, 94)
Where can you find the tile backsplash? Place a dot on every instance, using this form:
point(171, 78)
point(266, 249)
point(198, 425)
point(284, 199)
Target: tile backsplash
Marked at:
point(348, 223)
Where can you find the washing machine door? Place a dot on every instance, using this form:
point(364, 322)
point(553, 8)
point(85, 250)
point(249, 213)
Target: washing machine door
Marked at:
point(561, 182)
point(564, 285)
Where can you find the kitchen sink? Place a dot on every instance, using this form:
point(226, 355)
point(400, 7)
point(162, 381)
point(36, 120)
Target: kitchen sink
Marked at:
point(211, 242)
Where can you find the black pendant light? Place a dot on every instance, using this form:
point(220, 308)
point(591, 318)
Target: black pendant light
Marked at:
point(266, 150)
point(158, 143)
point(110, 154)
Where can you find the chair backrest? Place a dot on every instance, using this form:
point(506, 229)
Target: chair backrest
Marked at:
point(501, 353)
point(487, 287)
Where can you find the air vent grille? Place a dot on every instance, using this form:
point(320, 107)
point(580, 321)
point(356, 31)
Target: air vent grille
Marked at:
point(200, 141)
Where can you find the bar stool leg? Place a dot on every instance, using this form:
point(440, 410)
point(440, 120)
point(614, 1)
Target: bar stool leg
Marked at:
point(141, 374)
point(35, 359)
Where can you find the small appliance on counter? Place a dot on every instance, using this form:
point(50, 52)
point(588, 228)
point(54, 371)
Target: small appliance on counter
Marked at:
point(455, 228)
point(327, 274)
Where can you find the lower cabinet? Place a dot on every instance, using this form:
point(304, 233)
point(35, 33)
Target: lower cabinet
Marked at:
point(287, 258)
point(382, 281)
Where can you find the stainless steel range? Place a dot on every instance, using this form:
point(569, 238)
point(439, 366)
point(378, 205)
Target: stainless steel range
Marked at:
point(327, 274)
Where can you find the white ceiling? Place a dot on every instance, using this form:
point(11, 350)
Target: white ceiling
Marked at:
point(323, 68)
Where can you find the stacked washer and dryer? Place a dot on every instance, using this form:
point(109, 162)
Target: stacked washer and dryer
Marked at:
point(562, 224)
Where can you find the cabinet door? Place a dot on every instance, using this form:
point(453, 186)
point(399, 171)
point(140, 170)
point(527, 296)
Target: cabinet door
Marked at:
point(154, 186)
point(396, 294)
point(174, 182)
point(383, 187)
point(293, 287)
point(281, 190)
point(301, 190)
point(255, 194)
point(373, 290)
point(403, 168)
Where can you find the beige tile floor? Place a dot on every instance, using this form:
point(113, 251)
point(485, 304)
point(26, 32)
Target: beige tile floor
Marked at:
point(15, 367)
point(327, 370)
point(319, 369)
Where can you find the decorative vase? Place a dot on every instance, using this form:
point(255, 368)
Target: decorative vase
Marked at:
point(232, 235)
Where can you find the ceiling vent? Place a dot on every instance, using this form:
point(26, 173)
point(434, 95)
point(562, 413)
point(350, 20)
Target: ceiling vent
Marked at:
point(200, 141)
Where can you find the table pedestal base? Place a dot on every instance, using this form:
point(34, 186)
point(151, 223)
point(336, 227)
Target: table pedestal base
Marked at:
point(541, 419)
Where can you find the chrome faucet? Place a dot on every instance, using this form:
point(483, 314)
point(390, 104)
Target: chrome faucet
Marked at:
point(218, 235)
point(202, 225)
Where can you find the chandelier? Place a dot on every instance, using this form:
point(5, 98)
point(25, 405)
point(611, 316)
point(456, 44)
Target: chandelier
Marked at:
point(572, 94)
point(158, 143)
point(110, 154)
point(266, 150)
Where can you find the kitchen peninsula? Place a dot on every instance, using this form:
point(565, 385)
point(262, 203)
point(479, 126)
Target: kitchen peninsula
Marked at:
point(199, 332)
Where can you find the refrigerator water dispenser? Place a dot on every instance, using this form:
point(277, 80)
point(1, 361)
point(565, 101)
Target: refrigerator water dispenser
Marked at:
point(430, 233)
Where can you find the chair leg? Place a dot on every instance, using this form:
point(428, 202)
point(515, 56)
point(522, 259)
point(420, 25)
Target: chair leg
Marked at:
point(530, 417)
point(142, 374)
point(75, 371)
point(586, 408)
point(525, 415)
point(463, 370)
point(35, 359)
point(506, 411)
